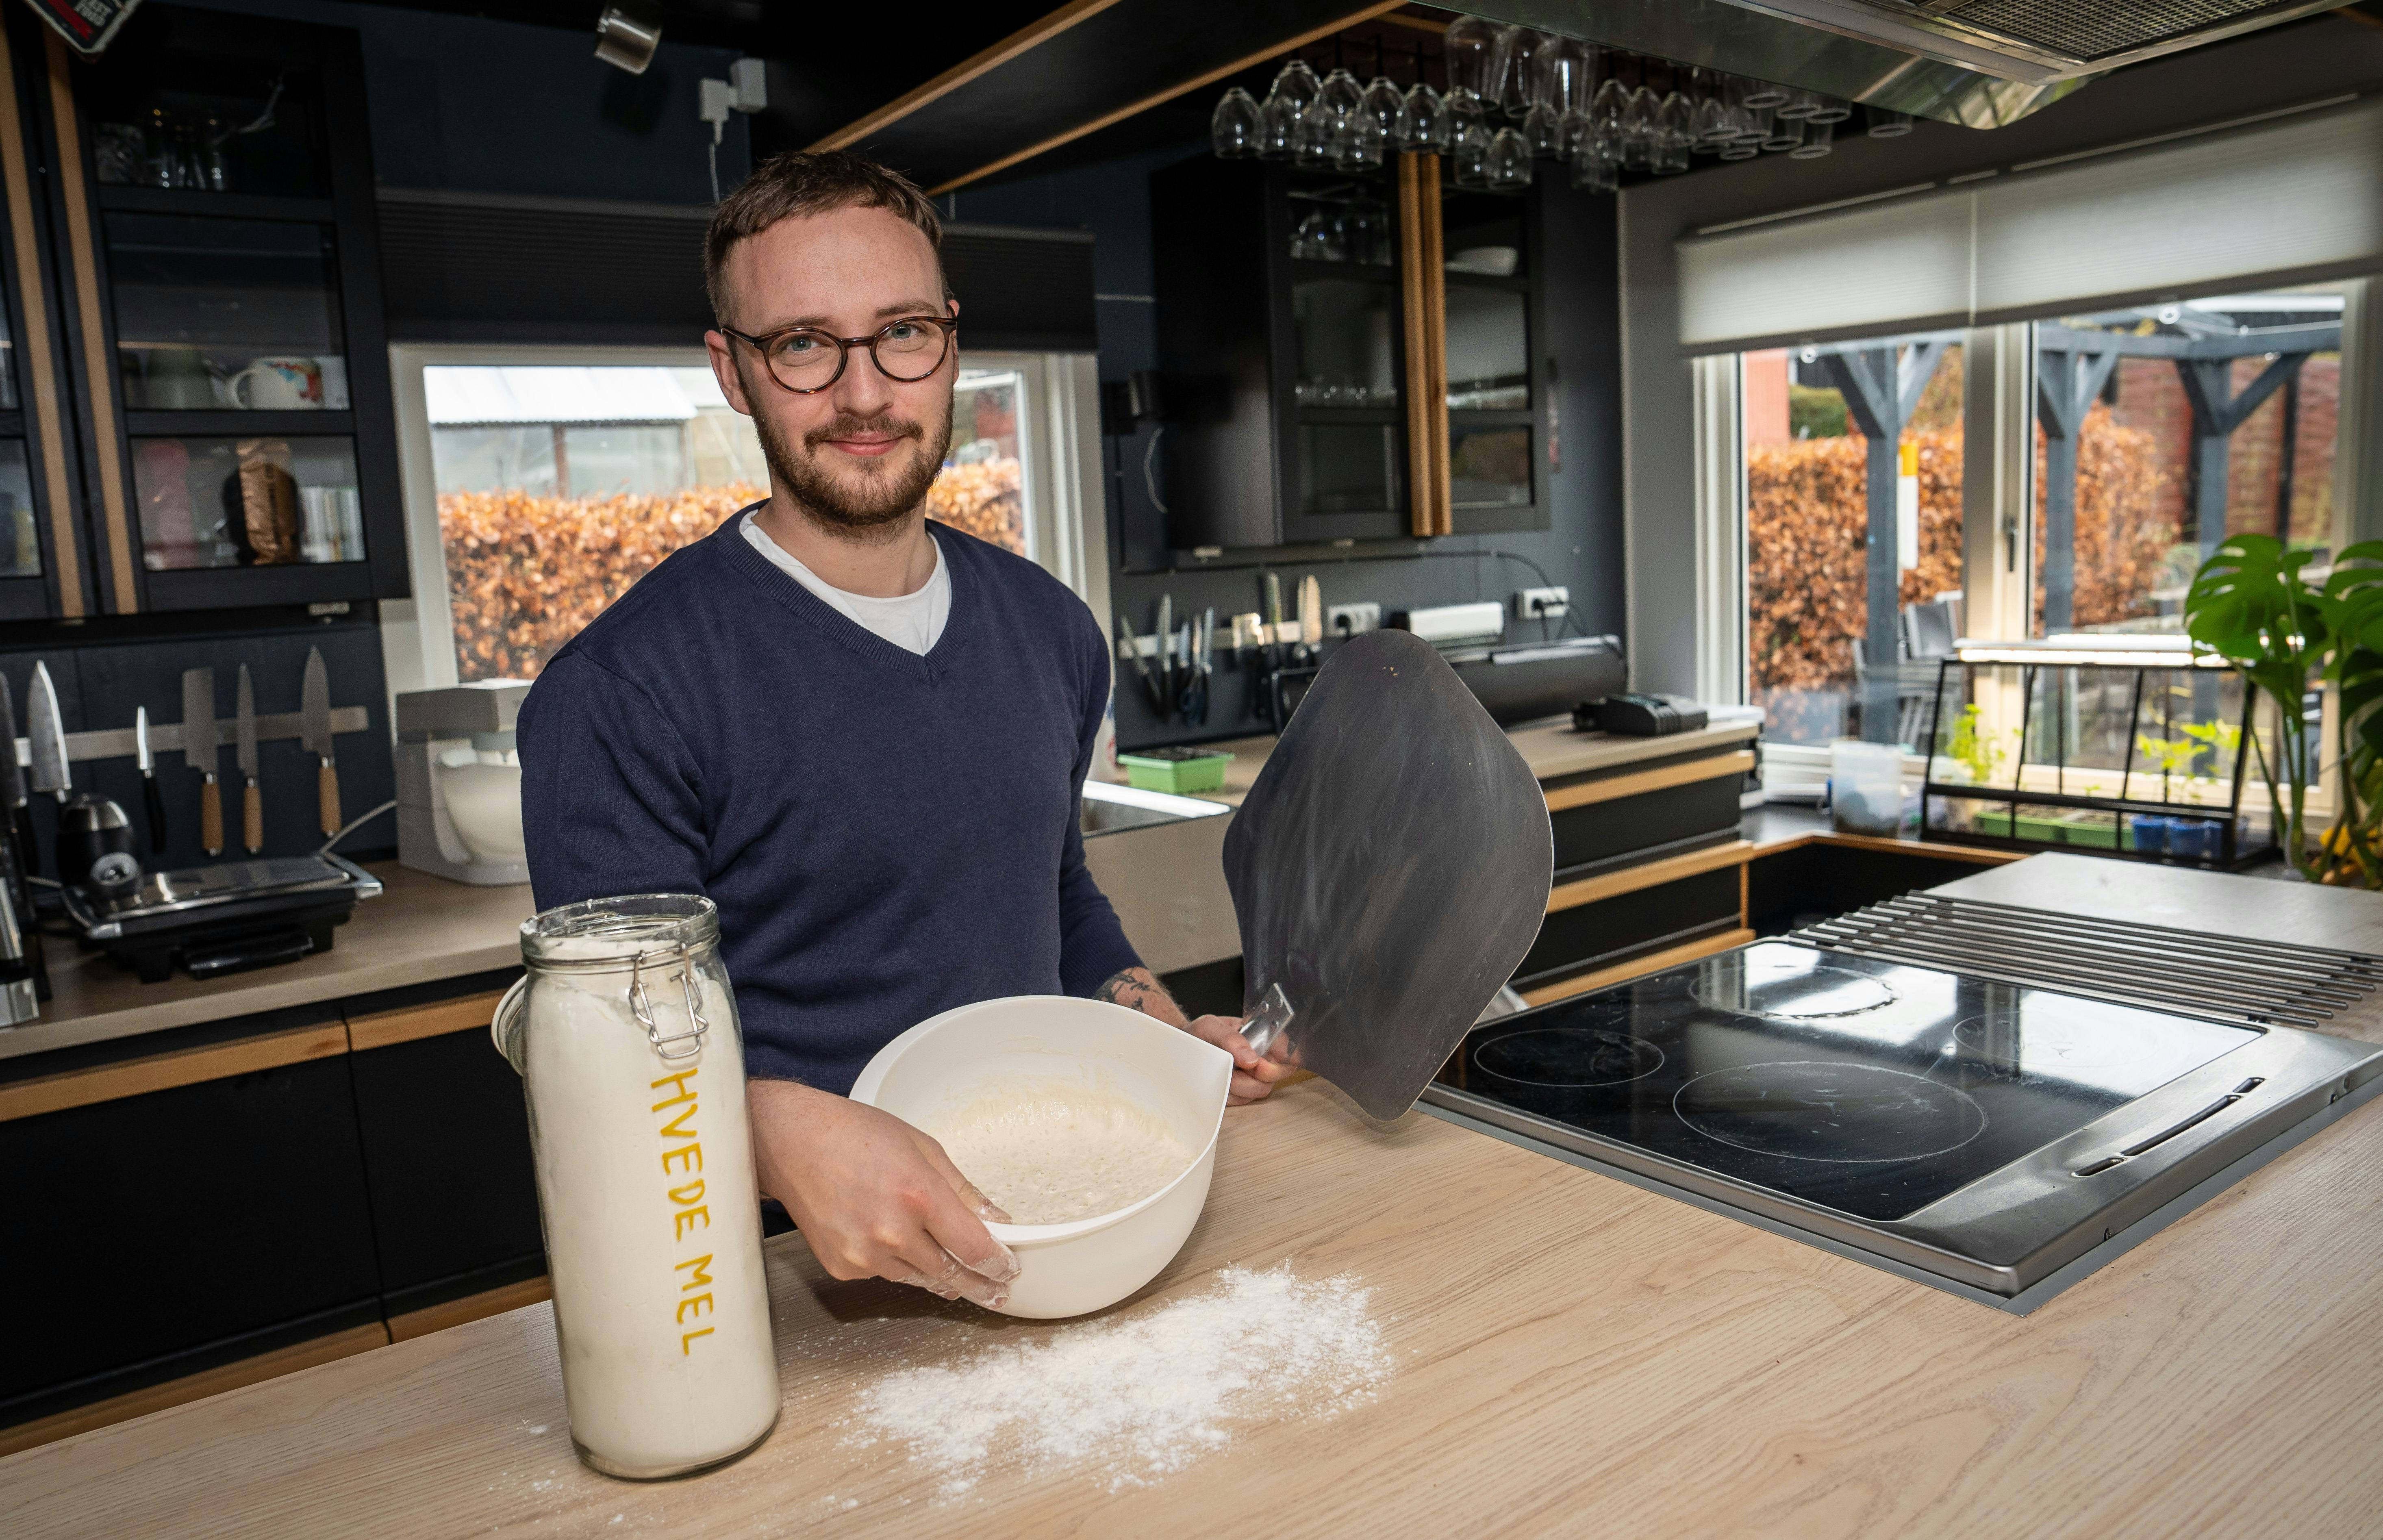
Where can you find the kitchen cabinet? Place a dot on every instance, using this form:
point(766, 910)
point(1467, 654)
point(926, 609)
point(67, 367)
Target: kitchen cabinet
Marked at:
point(322, 1178)
point(208, 257)
point(1346, 357)
point(157, 1235)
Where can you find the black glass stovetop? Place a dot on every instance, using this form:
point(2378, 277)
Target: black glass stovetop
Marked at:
point(1867, 1087)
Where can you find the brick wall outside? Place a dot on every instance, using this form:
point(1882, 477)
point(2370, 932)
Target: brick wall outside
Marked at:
point(2151, 399)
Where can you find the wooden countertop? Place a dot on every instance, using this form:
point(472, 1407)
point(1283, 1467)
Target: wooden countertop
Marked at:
point(1573, 1356)
point(422, 929)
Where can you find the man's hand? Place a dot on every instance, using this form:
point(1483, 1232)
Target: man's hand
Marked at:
point(874, 1196)
point(1254, 1076)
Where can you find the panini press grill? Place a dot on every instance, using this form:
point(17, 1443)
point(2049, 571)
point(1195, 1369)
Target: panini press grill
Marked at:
point(223, 919)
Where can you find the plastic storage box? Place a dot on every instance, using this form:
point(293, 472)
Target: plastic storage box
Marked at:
point(1181, 771)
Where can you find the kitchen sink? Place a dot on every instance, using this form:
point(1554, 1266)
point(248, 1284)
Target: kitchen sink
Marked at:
point(1109, 808)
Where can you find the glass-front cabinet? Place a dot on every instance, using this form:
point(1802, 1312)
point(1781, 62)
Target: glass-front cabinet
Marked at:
point(211, 270)
point(1303, 353)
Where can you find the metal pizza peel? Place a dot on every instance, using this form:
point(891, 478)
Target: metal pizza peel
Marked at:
point(1389, 869)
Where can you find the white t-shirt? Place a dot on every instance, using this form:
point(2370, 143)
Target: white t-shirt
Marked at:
point(912, 623)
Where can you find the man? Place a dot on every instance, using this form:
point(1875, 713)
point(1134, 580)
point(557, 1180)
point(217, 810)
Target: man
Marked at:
point(862, 735)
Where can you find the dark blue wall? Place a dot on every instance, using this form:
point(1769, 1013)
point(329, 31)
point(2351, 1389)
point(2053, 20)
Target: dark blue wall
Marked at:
point(468, 104)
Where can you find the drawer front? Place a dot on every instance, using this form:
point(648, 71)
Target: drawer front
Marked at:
point(156, 1226)
point(1588, 934)
point(1678, 817)
point(446, 1150)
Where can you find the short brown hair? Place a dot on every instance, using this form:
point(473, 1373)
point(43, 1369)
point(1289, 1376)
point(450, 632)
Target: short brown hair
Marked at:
point(799, 182)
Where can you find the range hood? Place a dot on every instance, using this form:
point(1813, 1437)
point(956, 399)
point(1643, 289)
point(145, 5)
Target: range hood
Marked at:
point(1982, 62)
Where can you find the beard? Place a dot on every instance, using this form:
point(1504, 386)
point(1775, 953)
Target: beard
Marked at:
point(864, 498)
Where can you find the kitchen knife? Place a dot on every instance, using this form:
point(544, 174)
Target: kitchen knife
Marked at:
point(199, 753)
point(12, 781)
point(153, 802)
point(1274, 607)
point(1132, 644)
point(251, 802)
point(1311, 615)
point(1166, 656)
point(48, 733)
point(314, 706)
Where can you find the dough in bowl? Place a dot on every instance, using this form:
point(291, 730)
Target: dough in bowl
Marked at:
point(1051, 1154)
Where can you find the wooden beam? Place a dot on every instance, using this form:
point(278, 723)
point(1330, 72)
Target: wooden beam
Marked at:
point(193, 1387)
point(1653, 962)
point(381, 1028)
point(1711, 768)
point(1611, 885)
point(960, 74)
point(185, 1066)
point(1159, 98)
point(99, 365)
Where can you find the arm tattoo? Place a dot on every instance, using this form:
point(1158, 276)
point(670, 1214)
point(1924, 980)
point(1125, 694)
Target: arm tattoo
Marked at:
point(1133, 988)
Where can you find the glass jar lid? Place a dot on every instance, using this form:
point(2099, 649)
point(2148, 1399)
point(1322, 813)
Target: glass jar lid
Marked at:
point(605, 934)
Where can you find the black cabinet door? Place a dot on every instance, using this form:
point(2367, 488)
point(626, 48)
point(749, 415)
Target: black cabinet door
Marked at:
point(445, 1142)
point(149, 1236)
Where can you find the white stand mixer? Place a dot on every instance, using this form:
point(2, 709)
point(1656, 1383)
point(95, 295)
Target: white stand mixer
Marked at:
point(459, 782)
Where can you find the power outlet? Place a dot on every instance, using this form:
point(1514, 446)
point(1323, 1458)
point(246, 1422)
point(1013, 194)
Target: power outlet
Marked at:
point(1348, 620)
point(1531, 604)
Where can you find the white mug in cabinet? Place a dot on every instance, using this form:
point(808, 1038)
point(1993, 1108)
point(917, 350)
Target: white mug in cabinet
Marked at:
point(291, 384)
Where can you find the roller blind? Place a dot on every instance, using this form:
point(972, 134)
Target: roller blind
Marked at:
point(2296, 200)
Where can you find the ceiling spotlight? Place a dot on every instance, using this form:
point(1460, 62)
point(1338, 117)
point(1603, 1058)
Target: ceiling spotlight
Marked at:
point(625, 41)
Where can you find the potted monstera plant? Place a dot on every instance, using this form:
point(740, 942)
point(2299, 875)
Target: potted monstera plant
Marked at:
point(2253, 603)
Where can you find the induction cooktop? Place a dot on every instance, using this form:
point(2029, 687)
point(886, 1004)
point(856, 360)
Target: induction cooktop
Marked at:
point(1984, 1135)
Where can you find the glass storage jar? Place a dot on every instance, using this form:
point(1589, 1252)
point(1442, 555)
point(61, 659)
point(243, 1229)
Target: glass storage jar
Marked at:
point(625, 1036)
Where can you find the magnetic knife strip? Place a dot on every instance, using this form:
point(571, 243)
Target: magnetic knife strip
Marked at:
point(116, 742)
point(2216, 977)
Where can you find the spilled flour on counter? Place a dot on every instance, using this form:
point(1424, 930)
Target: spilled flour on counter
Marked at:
point(1143, 1396)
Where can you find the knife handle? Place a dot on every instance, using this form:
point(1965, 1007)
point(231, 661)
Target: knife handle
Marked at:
point(153, 802)
point(252, 818)
point(27, 847)
point(210, 818)
point(328, 790)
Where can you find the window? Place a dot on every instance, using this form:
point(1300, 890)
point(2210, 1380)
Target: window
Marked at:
point(541, 483)
point(1815, 659)
point(2162, 429)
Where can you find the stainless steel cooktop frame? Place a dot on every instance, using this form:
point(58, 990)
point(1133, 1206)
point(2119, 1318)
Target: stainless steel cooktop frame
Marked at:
point(2001, 1236)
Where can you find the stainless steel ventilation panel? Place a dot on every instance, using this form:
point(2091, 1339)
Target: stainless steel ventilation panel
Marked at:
point(2039, 39)
point(1983, 63)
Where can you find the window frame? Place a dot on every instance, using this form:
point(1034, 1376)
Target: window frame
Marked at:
point(1058, 446)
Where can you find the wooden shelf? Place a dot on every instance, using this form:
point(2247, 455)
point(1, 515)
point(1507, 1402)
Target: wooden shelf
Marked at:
point(226, 424)
point(220, 205)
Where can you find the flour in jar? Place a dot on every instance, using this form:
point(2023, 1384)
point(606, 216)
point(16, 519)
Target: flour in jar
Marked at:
point(1051, 1154)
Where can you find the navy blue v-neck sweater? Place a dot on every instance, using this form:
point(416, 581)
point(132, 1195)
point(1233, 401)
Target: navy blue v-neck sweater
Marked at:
point(887, 835)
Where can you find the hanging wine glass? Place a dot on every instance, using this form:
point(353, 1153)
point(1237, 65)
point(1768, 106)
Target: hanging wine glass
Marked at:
point(1597, 158)
point(1363, 144)
point(1758, 123)
point(1612, 100)
point(1557, 68)
point(1234, 127)
point(1510, 161)
point(1294, 87)
point(1800, 103)
point(1337, 101)
point(1764, 93)
point(1887, 123)
point(1514, 92)
point(1469, 141)
point(1818, 134)
point(1421, 116)
point(1638, 129)
point(1711, 129)
point(1382, 103)
point(1478, 50)
point(1784, 135)
point(1830, 110)
point(1675, 132)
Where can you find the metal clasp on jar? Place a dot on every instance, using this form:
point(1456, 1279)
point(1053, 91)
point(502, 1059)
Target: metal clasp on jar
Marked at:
point(641, 1005)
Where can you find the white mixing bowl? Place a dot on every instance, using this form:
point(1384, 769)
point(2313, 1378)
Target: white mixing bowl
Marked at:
point(947, 1062)
point(484, 802)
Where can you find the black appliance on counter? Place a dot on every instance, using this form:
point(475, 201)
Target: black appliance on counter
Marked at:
point(1998, 1127)
point(223, 919)
point(1526, 683)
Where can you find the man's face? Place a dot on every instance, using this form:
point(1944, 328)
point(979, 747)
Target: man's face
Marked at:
point(859, 455)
